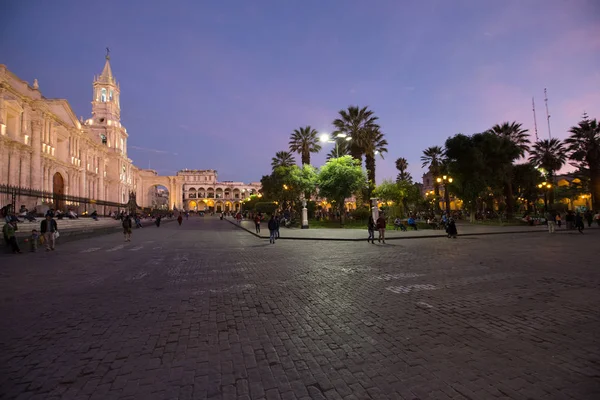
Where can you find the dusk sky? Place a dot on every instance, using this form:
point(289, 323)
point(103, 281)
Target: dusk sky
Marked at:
point(221, 84)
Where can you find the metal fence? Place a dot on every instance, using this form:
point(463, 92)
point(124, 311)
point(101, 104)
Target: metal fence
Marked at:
point(17, 195)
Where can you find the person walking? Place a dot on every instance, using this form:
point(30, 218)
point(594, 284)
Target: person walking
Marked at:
point(180, 219)
point(48, 229)
point(550, 218)
point(371, 229)
point(579, 222)
point(558, 220)
point(10, 237)
point(451, 230)
point(589, 217)
point(238, 218)
point(127, 228)
point(157, 222)
point(381, 222)
point(272, 229)
point(278, 222)
point(257, 223)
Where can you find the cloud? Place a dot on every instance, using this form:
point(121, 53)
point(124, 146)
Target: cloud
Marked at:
point(151, 150)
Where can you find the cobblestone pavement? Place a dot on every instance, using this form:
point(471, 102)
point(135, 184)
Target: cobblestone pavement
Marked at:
point(206, 310)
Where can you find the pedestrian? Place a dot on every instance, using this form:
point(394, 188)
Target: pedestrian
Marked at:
point(157, 222)
point(589, 217)
point(180, 219)
point(570, 220)
point(238, 217)
point(10, 237)
point(579, 222)
point(597, 218)
point(550, 218)
point(138, 222)
point(257, 223)
point(272, 229)
point(371, 229)
point(381, 222)
point(278, 221)
point(127, 228)
point(451, 230)
point(33, 240)
point(49, 229)
point(558, 220)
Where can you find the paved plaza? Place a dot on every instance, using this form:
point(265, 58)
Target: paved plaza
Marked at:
point(207, 310)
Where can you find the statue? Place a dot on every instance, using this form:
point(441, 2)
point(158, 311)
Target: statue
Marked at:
point(36, 85)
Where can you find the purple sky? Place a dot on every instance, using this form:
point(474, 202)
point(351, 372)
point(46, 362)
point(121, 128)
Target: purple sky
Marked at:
point(223, 83)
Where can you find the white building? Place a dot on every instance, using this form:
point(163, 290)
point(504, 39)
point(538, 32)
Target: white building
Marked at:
point(43, 146)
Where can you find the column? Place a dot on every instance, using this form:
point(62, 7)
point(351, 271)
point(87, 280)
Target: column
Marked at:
point(3, 165)
point(36, 158)
point(100, 180)
point(82, 177)
point(25, 170)
point(2, 111)
point(13, 166)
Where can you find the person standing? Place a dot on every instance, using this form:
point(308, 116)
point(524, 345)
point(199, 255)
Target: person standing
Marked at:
point(238, 217)
point(381, 222)
point(180, 219)
point(579, 222)
point(589, 217)
point(257, 223)
point(33, 245)
point(48, 229)
point(127, 228)
point(157, 222)
point(558, 220)
point(451, 230)
point(371, 229)
point(272, 229)
point(10, 237)
point(550, 217)
point(278, 222)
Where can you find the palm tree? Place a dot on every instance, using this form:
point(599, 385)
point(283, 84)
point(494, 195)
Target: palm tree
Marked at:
point(433, 159)
point(584, 148)
point(374, 145)
point(304, 141)
point(550, 155)
point(342, 148)
point(402, 167)
point(519, 138)
point(515, 133)
point(283, 159)
point(356, 123)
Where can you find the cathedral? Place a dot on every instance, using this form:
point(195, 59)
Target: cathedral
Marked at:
point(43, 146)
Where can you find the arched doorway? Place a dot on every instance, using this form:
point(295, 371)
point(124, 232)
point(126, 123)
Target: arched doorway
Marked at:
point(58, 191)
point(158, 197)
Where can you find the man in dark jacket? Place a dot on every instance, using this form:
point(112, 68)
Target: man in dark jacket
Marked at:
point(272, 229)
point(48, 229)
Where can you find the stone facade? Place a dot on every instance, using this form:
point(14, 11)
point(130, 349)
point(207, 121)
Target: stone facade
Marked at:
point(203, 192)
point(43, 146)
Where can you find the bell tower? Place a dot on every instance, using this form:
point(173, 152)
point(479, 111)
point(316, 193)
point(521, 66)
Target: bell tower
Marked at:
point(106, 102)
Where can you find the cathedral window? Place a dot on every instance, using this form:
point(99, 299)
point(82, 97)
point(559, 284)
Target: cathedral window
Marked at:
point(103, 95)
point(110, 95)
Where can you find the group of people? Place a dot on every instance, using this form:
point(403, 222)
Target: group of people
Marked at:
point(573, 220)
point(47, 235)
point(381, 223)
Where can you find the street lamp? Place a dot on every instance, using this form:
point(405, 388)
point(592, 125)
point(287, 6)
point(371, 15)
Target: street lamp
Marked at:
point(546, 187)
point(445, 180)
point(325, 138)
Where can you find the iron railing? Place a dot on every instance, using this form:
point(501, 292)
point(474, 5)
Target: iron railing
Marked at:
point(10, 194)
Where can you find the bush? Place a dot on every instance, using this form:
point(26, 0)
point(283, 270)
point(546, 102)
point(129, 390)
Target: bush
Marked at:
point(265, 207)
point(361, 214)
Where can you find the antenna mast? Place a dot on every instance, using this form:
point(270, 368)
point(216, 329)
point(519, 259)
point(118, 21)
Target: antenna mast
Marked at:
point(534, 120)
point(547, 113)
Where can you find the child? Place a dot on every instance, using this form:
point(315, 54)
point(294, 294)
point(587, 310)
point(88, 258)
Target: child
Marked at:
point(35, 237)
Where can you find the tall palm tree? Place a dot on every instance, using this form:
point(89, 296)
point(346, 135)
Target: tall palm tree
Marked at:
point(519, 138)
point(515, 133)
point(374, 145)
point(304, 141)
point(356, 123)
point(584, 148)
point(402, 167)
point(283, 159)
point(550, 155)
point(433, 159)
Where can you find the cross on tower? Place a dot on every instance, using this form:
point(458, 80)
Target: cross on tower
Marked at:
point(107, 53)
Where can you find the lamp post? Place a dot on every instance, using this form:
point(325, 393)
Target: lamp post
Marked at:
point(445, 179)
point(325, 138)
point(545, 186)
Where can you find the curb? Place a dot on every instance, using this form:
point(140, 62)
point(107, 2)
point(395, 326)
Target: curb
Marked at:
point(74, 234)
point(390, 238)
